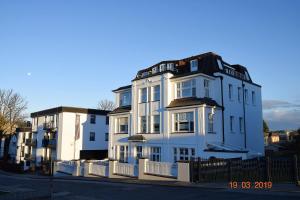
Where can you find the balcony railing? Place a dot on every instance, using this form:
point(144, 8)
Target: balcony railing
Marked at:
point(49, 126)
point(30, 142)
point(49, 143)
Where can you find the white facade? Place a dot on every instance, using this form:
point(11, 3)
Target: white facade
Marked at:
point(59, 137)
point(168, 115)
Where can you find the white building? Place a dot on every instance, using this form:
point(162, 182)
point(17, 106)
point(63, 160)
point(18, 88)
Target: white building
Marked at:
point(67, 133)
point(176, 110)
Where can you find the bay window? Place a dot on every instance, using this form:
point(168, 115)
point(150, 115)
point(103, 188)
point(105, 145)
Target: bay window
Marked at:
point(156, 93)
point(143, 124)
point(186, 89)
point(124, 99)
point(210, 123)
point(156, 123)
point(184, 122)
point(155, 154)
point(143, 95)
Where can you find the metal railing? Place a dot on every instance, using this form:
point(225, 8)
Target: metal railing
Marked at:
point(66, 167)
point(161, 168)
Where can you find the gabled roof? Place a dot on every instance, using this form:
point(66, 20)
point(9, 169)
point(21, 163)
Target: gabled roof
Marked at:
point(191, 101)
point(122, 109)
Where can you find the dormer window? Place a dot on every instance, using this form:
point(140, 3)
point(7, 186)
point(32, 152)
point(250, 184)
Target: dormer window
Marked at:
point(154, 70)
point(162, 67)
point(170, 66)
point(194, 65)
point(145, 74)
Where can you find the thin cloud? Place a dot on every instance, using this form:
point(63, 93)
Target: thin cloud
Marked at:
point(276, 104)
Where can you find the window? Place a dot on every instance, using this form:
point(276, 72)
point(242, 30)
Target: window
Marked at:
point(194, 65)
point(139, 153)
point(106, 137)
point(186, 88)
point(124, 99)
point(210, 123)
point(154, 70)
point(143, 124)
point(143, 95)
point(170, 66)
point(123, 125)
point(231, 123)
point(239, 94)
point(123, 154)
point(246, 96)
point(206, 88)
point(184, 122)
point(183, 154)
point(93, 119)
point(155, 154)
point(253, 97)
point(230, 91)
point(241, 122)
point(156, 93)
point(162, 67)
point(92, 136)
point(107, 120)
point(156, 123)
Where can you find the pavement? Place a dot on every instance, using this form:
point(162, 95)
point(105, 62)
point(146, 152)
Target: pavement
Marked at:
point(27, 186)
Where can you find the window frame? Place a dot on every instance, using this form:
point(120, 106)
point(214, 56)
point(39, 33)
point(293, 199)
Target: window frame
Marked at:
point(92, 119)
point(231, 124)
point(156, 93)
point(230, 92)
point(143, 96)
point(143, 127)
point(92, 137)
point(210, 127)
point(154, 123)
point(241, 123)
point(206, 88)
point(122, 101)
point(177, 122)
point(119, 125)
point(155, 155)
point(194, 65)
point(190, 86)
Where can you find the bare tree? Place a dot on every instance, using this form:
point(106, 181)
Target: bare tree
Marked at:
point(106, 104)
point(12, 108)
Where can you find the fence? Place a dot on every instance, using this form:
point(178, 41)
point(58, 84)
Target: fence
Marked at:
point(99, 169)
point(275, 169)
point(67, 167)
point(126, 169)
point(161, 168)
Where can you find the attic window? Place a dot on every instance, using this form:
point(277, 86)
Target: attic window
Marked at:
point(247, 76)
point(154, 70)
point(220, 64)
point(162, 67)
point(145, 74)
point(170, 66)
point(194, 65)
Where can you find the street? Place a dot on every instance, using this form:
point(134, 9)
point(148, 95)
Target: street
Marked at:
point(39, 188)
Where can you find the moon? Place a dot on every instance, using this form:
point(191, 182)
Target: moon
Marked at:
point(28, 73)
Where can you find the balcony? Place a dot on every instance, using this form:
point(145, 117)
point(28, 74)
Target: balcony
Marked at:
point(29, 157)
point(30, 142)
point(49, 127)
point(49, 143)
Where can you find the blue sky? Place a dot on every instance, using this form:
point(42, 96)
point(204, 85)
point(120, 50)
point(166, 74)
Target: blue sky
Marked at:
point(78, 51)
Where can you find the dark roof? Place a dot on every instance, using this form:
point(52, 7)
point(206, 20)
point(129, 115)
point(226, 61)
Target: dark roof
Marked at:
point(136, 138)
point(69, 109)
point(121, 109)
point(191, 101)
point(207, 64)
point(122, 88)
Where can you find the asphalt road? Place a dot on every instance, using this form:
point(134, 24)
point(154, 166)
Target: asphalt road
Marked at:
point(21, 187)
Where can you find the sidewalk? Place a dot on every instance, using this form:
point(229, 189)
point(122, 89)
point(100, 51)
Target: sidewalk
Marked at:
point(279, 187)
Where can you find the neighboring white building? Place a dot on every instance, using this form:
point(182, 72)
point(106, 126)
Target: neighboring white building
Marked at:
point(24, 144)
point(176, 110)
point(67, 133)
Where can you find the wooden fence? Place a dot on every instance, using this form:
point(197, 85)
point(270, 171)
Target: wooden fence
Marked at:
point(275, 169)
